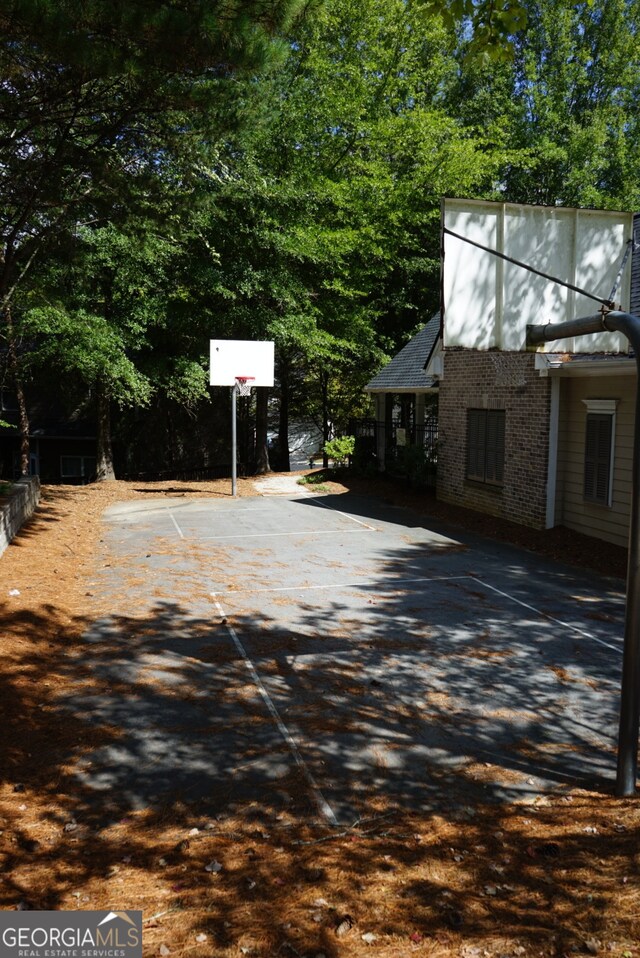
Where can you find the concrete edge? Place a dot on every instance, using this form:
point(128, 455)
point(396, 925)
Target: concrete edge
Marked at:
point(19, 506)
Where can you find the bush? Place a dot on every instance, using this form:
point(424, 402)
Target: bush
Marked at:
point(340, 448)
point(416, 464)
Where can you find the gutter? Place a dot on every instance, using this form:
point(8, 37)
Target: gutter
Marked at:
point(550, 364)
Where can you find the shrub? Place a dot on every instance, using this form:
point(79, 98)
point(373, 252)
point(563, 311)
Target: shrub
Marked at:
point(340, 448)
point(416, 465)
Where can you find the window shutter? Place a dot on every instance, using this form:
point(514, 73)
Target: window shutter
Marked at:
point(597, 459)
point(485, 445)
point(476, 438)
point(495, 446)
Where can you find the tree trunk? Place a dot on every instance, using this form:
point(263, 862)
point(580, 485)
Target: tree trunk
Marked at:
point(283, 424)
point(262, 425)
point(104, 455)
point(23, 415)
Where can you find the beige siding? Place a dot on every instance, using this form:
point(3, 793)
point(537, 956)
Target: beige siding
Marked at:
point(610, 523)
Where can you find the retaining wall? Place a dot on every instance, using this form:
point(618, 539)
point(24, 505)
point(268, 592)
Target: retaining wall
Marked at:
point(17, 507)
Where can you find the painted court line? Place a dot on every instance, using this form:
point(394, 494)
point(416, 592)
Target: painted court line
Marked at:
point(347, 516)
point(323, 806)
point(173, 519)
point(448, 578)
point(270, 535)
point(336, 586)
point(551, 618)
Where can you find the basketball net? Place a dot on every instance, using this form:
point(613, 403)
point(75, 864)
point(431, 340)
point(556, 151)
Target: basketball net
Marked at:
point(244, 384)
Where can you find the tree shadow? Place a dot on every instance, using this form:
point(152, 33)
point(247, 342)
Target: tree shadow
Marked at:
point(559, 543)
point(419, 712)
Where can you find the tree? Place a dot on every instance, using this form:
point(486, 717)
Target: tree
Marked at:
point(98, 91)
point(320, 221)
point(564, 110)
point(97, 97)
point(353, 165)
point(102, 302)
point(489, 25)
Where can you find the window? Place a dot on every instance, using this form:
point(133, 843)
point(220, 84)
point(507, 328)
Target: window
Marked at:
point(598, 450)
point(8, 400)
point(77, 467)
point(485, 445)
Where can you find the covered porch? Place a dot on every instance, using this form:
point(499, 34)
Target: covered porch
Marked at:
point(402, 435)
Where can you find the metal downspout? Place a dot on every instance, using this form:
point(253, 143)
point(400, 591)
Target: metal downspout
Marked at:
point(629, 325)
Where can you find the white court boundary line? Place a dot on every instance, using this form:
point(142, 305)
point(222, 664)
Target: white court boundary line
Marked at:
point(173, 519)
point(346, 515)
point(551, 618)
point(337, 586)
point(312, 532)
point(323, 806)
point(271, 535)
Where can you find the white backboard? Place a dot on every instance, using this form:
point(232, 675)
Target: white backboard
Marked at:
point(232, 358)
point(487, 302)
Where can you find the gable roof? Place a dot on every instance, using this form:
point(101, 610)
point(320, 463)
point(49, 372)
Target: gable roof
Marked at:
point(405, 373)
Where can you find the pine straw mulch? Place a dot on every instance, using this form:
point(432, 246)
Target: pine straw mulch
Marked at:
point(559, 876)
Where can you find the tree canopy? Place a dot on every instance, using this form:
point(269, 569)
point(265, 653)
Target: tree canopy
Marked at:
point(275, 170)
point(100, 102)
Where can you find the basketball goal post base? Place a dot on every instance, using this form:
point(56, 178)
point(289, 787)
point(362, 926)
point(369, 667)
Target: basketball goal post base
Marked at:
point(629, 325)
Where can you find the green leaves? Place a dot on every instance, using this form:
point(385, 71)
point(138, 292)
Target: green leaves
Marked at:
point(192, 175)
point(134, 40)
point(490, 24)
point(328, 235)
point(569, 105)
point(186, 381)
point(85, 345)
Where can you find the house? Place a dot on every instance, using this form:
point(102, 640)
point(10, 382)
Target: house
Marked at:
point(542, 441)
point(62, 446)
point(540, 438)
point(405, 399)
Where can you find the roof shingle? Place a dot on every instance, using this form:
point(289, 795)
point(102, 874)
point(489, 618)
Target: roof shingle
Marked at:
point(405, 372)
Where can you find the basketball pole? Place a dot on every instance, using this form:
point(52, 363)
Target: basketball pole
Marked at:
point(234, 441)
point(629, 325)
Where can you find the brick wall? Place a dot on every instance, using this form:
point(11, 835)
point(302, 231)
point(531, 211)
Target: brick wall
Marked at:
point(496, 380)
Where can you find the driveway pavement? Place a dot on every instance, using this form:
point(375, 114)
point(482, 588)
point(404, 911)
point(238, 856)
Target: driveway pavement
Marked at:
point(329, 655)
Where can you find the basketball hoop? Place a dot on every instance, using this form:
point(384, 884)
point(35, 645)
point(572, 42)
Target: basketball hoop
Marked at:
point(244, 384)
point(256, 358)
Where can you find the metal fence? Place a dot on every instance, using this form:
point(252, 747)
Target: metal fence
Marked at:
point(410, 450)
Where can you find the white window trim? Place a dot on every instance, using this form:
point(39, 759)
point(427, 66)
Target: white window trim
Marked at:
point(606, 407)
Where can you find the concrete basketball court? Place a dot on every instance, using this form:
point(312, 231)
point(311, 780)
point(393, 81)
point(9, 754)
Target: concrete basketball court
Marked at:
point(333, 655)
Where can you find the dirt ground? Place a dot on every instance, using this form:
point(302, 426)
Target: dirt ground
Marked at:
point(557, 876)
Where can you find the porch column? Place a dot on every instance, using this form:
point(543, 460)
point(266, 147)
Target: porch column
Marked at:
point(381, 441)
